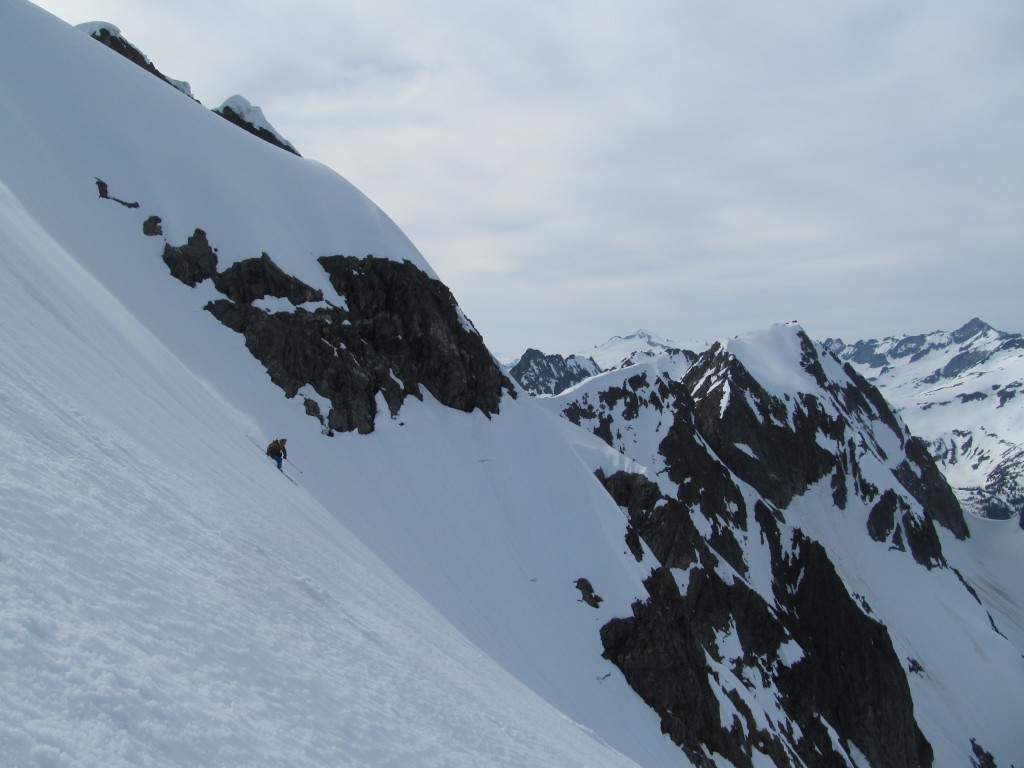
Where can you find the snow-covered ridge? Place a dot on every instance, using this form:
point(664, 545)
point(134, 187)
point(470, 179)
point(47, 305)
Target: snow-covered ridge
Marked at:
point(553, 373)
point(623, 351)
point(240, 110)
point(236, 109)
point(111, 36)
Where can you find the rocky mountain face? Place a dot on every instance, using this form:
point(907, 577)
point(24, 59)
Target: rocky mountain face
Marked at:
point(733, 449)
point(399, 333)
point(959, 391)
point(541, 374)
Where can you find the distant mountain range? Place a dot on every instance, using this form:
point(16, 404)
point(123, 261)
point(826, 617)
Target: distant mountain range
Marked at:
point(963, 391)
point(958, 390)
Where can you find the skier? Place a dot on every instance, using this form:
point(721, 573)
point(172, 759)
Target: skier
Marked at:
point(277, 451)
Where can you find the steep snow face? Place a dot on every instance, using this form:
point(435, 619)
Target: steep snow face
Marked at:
point(168, 598)
point(228, 616)
point(958, 390)
point(773, 356)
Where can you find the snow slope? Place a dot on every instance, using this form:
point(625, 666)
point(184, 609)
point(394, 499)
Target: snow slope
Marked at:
point(169, 598)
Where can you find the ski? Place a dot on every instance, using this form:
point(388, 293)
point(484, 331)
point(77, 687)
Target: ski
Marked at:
point(255, 442)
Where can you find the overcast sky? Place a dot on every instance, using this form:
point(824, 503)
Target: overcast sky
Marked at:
point(578, 169)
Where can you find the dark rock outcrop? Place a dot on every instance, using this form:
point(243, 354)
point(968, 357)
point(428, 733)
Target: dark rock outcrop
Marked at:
point(110, 36)
point(919, 475)
point(755, 435)
point(844, 651)
point(401, 333)
point(193, 262)
point(664, 663)
point(251, 279)
point(587, 593)
point(104, 191)
point(661, 648)
point(541, 374)
point(260, 132)
point(153, 227)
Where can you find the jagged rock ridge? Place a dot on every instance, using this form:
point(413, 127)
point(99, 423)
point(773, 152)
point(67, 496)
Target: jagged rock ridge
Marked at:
point(541, 374)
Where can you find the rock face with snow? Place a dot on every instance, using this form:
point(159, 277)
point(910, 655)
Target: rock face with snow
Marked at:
point(746, 448)
point(237, 110)
point(959, 391)
point(399, 330)
point(541, 374)
point(111, 36)
point(250, 118)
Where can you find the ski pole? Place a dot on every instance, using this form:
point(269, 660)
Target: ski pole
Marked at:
point(293, 464)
